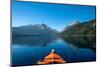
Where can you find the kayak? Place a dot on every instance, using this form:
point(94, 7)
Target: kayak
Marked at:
point(52, 58)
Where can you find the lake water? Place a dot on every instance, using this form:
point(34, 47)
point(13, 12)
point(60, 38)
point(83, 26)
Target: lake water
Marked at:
point(27, 50)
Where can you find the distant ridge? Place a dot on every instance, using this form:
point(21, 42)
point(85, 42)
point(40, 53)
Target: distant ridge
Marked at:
point(37, 29)
point(84, 28)
point(75, 22)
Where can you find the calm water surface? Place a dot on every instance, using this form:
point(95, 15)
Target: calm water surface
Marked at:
point(27, 50)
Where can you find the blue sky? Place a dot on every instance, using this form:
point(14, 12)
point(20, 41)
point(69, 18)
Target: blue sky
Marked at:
point(56, 16)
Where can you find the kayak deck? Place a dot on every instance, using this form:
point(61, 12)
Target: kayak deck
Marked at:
point(52, 58)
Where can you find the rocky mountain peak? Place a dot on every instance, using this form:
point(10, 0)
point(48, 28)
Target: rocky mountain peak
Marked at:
point(74, 22)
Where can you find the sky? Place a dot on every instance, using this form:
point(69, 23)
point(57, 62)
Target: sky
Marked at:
point(56, 16)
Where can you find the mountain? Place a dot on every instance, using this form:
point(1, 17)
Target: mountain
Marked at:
point(75, 22)
point(37, 29)
point(81, 28)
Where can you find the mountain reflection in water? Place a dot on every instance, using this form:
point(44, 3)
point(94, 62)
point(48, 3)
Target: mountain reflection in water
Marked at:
point(81, 41)
point(27, 50)
point(77, 41)
point(32, 40)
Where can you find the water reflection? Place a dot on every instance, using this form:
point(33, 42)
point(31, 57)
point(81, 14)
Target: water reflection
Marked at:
point(81, 41)
point(76, 41)
point(40, 46)
point(32, 40)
